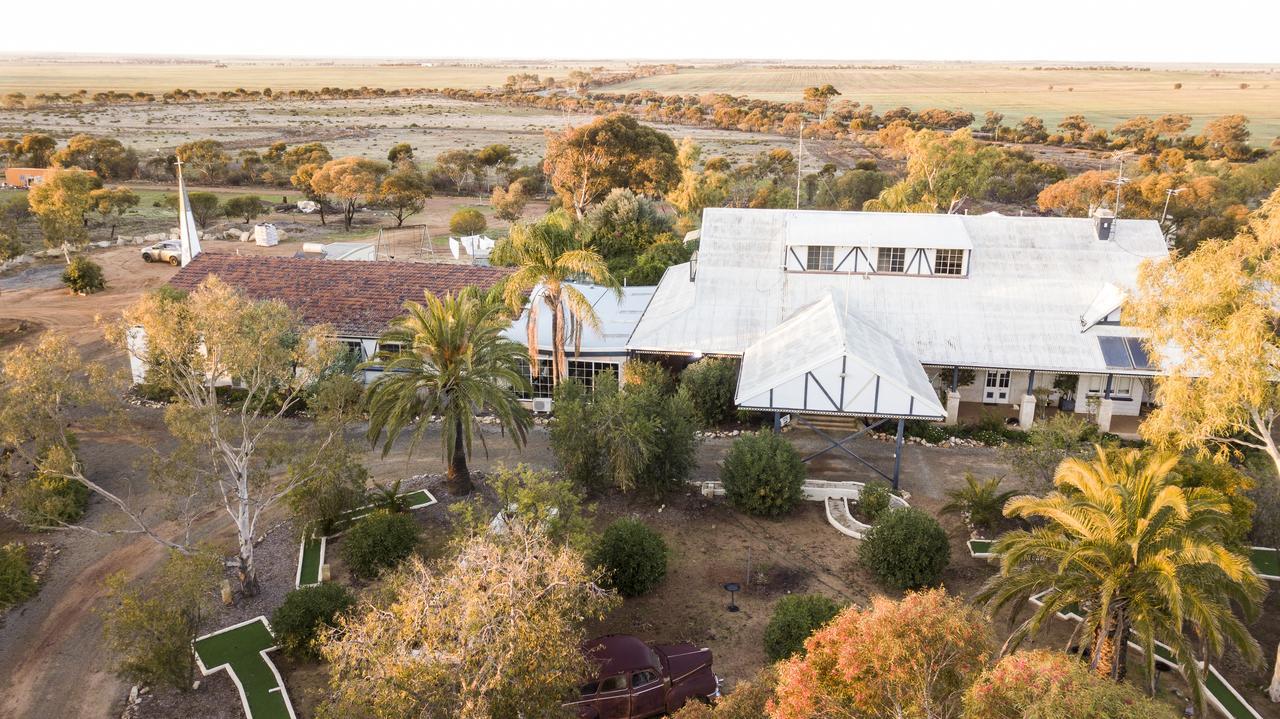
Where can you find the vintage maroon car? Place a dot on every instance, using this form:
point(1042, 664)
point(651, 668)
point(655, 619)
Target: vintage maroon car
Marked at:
point(635, 680)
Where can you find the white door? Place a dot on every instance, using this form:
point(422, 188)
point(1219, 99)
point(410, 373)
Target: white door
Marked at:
point(996, 389)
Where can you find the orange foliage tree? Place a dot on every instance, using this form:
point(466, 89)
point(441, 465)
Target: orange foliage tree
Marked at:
point(913, 658)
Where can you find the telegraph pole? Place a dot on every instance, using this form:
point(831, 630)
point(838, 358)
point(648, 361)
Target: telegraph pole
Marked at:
point(800, 162)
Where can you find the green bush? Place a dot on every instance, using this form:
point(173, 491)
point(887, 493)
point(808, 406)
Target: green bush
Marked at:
point(874, 500)
point(636, 438)
point(906, 549)
point(48, 498)
point(632, 556)
point(298, 621)
point(709, 384)
point(763, 475)
point(377, 542)
point(648, 374)
point(794, 618)
point(16, 583)
point(83, 276)
point(467, 221)
point(931, 432)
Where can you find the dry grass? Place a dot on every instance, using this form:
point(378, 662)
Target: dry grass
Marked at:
point(1103, 96)
point(31, 76)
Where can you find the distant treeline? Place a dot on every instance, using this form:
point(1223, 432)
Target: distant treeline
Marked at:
point(820, 114)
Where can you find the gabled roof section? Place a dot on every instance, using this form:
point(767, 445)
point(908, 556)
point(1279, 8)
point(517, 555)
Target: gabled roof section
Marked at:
point(1108, 300)
point(824, 359)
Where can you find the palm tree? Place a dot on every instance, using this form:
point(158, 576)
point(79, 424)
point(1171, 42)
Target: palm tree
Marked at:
point(979, 502)
point(453, 363)
point(1141, 558)
point(549, 253)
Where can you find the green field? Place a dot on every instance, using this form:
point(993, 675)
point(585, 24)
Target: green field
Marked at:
point(1103, 96)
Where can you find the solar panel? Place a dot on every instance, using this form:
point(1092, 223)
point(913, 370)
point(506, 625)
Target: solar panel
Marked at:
point(1141, 360)
point(1114, 353)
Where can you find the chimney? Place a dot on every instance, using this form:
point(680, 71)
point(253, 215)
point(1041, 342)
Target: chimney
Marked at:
point(1104, 223)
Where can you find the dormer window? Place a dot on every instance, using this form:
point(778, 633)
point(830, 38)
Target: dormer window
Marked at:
point(891, 259)
point(821, 257)
point(949, 262)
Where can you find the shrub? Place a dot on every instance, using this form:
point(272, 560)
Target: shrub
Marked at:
point(709, 384)
point(49, 497)
point(298, 621)
point(83, 276)
point(794, 618)
point(632, 556)
point(1048, 443)
point(930, 432)
point(748, 700)
point(874, 500)
point(648, 374)
point(535, 498)
point(1233, 485)
point(633, 438)
point(912, 658)
point(327, 485)
point(906, 549)
point(16, 583)
point(763, 475)
point(467, 221)
point(378, 541)
point(1044, 684)
point(150, 626)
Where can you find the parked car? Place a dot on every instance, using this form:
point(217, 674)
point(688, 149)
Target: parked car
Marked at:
point(168, 251)
point(635, 680)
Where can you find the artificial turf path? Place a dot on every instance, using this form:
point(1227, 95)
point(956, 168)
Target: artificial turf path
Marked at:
point(311, 553)
point(241, 649)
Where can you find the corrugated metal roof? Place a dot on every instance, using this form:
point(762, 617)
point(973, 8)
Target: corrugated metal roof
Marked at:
point(1030, 281)
point(618, 317)
point(877, 229)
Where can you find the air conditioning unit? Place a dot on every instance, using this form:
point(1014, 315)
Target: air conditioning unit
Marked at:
point(542, 405)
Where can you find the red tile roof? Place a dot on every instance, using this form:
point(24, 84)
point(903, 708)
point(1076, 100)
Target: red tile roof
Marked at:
point(358, 298)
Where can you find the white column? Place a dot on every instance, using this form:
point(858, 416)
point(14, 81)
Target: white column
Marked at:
point(1027, 411)
point(1106, 408)
point(953, 407)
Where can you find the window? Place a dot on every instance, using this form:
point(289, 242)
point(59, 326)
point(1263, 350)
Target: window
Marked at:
point(821, 257)
point(613, 684)
point(640, 679)
point(891, 259)
point(949, 262)
point(584, 371)
point(1121, 387)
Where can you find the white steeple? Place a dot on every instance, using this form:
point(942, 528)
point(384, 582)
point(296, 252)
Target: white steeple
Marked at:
point(188, 235)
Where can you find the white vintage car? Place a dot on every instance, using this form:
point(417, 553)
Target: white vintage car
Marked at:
point(168, 251)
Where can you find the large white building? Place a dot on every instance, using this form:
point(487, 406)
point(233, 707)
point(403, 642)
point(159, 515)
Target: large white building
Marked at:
point(1019, 301)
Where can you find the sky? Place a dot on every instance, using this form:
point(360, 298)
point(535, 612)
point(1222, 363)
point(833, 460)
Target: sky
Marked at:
point(1174, 31)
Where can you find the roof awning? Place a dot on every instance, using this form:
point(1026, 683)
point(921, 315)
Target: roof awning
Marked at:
point(823, 360)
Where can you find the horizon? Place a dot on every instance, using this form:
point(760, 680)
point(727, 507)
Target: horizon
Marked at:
point(1120, 32)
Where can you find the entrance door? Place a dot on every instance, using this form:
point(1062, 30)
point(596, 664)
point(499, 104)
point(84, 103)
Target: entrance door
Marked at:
point(996, 389)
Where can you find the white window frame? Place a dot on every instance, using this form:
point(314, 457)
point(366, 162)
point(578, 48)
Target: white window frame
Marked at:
point(821, 258)
point(888, 257)
point(954, 261)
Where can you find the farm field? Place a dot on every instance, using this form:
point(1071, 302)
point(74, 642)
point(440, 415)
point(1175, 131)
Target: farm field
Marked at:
point(366, 127)
point(31, 75)
point(1103, 96)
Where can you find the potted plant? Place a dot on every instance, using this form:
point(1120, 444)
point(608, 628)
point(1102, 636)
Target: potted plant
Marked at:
point(1065, 385)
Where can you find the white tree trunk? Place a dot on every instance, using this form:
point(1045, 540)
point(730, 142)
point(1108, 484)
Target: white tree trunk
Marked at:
point(1274, 690)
